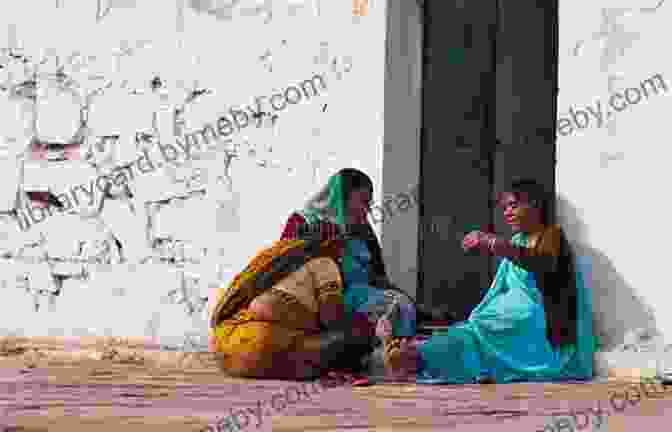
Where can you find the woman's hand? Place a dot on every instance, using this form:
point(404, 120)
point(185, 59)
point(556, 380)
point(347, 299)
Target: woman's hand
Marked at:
point(476, 239)
point(473, 240)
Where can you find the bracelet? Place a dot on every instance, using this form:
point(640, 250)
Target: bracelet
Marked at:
point(491, 245)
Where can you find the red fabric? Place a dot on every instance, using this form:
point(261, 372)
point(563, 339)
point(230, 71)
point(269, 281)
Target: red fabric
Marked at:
point(436, 323)
point(362, 381)
point(362, 325)
point(556, 332)
point(291, 230)
point(327, 230)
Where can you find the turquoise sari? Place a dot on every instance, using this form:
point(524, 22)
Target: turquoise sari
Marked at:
point(364, 302)
point(504, 337)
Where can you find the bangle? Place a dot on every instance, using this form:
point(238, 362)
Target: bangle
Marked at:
point(491, 245)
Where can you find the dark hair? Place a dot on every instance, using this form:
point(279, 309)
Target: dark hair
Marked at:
point(534, 193)
point(354, 179)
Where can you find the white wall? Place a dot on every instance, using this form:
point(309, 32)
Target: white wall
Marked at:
point(258, 48)
point(612, 179)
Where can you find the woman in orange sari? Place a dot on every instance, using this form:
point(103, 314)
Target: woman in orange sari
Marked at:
point(310, 303)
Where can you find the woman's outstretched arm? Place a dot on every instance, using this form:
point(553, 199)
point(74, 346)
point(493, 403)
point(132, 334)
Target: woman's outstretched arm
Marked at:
point(541, 254)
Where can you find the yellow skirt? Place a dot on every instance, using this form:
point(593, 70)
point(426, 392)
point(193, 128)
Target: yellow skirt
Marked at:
point(285, 344)
point(257, 349)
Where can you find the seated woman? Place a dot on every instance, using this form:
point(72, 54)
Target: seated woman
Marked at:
point(534, 323)
point(310, 303)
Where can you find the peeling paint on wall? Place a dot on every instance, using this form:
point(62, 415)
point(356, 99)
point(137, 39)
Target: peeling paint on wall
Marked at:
point(152, 247)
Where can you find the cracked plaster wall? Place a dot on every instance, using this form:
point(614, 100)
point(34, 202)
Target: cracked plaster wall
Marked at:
point(97, 85)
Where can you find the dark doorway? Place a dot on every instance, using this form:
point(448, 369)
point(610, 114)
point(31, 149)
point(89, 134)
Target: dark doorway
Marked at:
point(489, 115)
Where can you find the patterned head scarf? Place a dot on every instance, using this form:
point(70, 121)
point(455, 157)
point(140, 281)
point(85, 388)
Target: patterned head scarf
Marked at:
point(329, 205)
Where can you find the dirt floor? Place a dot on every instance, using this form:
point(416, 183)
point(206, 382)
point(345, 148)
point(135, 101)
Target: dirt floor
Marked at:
point(118, 386)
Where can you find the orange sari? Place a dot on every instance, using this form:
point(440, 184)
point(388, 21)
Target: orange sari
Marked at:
point(298, 286)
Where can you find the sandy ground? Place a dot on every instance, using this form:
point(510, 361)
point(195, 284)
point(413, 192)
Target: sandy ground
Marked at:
point(116, 385)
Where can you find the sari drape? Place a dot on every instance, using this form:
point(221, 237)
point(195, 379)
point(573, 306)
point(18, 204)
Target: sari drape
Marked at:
point(505, 337)
point(267, 267)
point(286, 344)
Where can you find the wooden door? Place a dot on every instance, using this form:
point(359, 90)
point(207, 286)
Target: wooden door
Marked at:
point(457, 138)
point(489, 90)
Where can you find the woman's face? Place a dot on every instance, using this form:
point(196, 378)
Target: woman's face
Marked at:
point(518, 213)
point(358, 205)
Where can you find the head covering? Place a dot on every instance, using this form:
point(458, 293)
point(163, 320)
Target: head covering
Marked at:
point(327, 205)
point(326, 212)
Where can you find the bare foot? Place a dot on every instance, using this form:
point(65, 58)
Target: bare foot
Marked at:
point(401, 358)
point(212, 343)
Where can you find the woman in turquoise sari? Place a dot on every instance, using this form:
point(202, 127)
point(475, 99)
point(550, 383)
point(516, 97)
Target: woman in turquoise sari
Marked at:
point(534, 323)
